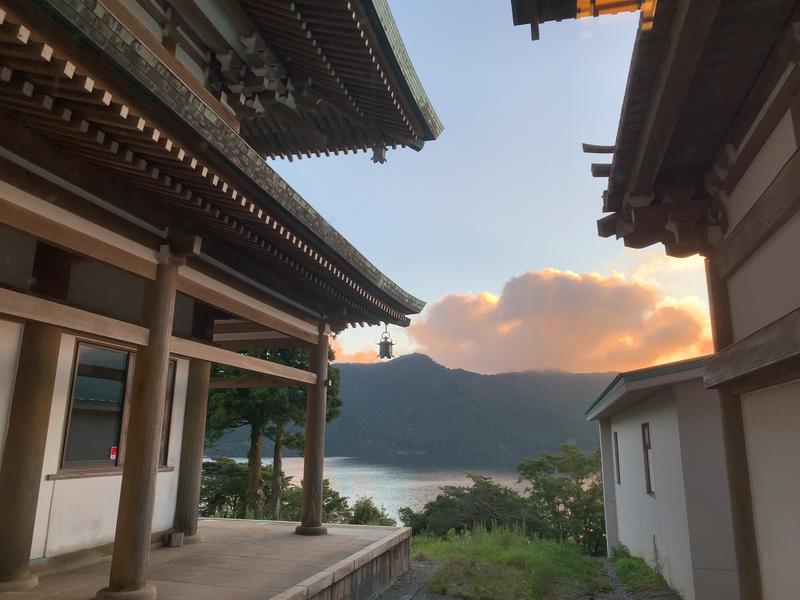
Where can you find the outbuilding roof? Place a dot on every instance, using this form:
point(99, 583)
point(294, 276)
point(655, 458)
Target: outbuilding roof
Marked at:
point(631, 386)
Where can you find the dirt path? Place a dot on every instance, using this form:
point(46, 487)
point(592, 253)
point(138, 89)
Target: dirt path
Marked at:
point(412, 585)
point(616, 592)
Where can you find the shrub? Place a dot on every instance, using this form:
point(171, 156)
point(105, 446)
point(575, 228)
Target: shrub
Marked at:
point(366, 512)
point(463, 508)
point(563, 501)
point(565, 497)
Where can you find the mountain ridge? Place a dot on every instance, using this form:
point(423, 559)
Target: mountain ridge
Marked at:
point(413, 406)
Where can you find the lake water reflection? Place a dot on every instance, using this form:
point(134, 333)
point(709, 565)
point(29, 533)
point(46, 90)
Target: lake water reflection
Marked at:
point(407, 481)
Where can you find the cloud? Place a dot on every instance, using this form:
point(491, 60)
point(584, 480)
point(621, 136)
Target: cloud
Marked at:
point(366, 355)
point(553, 319)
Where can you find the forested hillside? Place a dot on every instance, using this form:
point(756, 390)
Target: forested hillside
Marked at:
point(412, 405)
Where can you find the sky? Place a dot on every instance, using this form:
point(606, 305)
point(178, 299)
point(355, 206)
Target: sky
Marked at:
point(494, 223)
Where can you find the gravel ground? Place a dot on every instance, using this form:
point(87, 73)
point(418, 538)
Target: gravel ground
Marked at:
point(412, 584)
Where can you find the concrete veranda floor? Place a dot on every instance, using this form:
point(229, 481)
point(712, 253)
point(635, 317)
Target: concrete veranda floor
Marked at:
point(240, 560)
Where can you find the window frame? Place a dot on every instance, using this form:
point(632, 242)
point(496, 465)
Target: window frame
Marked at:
point(615, 443)
point(169, 403)
point(647, 451)
point(98, 465)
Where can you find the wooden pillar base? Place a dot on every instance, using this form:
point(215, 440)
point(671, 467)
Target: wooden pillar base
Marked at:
point(147, 592)
point(311, 530)
point(19, 585)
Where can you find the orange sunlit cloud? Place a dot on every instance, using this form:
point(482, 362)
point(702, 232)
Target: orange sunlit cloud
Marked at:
point(553, 319)
point(361, 356)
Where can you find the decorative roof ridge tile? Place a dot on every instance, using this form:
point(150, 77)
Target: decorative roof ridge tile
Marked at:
point(386, 28)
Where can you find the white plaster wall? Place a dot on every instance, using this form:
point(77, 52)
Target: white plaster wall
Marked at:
point(609, 484)
point(10, 338)
point(707, 492)
point(767, 285)
point(52, 451)
point(773, 155)
point(75, 514)
point(648, 522)
point(771, 423)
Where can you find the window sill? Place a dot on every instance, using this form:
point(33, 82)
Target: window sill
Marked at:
point(86, 473)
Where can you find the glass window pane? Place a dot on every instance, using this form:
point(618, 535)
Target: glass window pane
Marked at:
point(95, 416)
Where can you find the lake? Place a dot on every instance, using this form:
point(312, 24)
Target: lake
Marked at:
point(407, 481)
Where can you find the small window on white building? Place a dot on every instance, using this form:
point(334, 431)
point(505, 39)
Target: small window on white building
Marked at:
point(94, 422)
point(616, 458)
point(648, 458)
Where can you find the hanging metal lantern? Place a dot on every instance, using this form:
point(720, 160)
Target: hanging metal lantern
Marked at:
point(385, 345)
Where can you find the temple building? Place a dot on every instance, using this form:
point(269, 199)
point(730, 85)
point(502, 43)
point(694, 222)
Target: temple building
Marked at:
point(143, 238)
point(706, 162)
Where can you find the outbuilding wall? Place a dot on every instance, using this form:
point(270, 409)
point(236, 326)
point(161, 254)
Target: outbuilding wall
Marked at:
point(707, 491)
point(655, 526)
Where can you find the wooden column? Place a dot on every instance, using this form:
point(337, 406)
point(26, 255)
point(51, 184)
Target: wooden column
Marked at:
point(135, 516)
point(21, 469)
point(744, 529)
point(191, 465)
point(314, 453)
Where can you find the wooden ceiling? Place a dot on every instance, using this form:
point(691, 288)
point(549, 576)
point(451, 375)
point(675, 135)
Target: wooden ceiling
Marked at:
point(45, 89)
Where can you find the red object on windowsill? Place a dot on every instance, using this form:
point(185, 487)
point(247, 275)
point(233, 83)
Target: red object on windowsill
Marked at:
point(114, 452)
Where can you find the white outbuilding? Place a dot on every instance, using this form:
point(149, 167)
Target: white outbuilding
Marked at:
point(665, 480)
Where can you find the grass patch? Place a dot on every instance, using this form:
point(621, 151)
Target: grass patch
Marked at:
point(501, 564)
point(638, 577)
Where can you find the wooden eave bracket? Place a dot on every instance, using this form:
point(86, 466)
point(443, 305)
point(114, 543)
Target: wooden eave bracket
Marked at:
point(185, 245)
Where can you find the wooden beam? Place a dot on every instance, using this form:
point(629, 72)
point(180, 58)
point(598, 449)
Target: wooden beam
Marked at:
point(204, 288)
point(192, 349)
point(768, 355)
point(225, 326)
point(687, 39)
point(32, 308)
point(277, 344)
point(60, 233)
point(779, 203)
point(235, 383)
point(596, 149)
